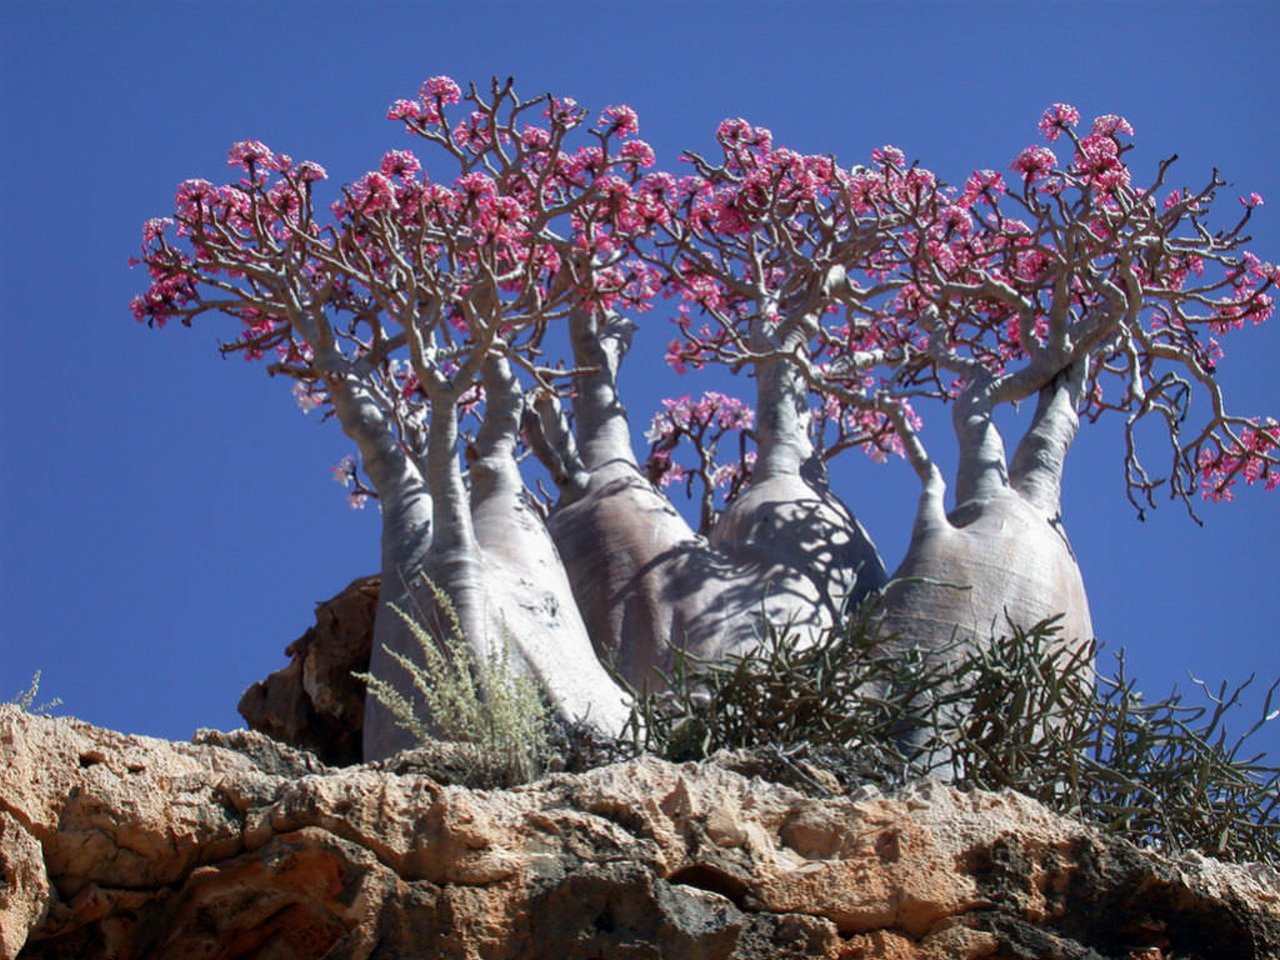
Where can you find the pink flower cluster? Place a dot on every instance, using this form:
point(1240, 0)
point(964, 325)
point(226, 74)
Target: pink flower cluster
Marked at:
point(702, 423)
point(1098, 162)
point(1249, 299)
point(620, 120)
point(1035, 163)
point(760, 187)
point(249, 154)
point(1059, 117)
point(880, 267)
point(1254, 457)
point(711, 409)
point(428, 109)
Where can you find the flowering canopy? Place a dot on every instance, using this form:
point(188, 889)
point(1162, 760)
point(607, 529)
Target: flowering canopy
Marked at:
point(887, 287)
point(855, 297)
point(413, 281)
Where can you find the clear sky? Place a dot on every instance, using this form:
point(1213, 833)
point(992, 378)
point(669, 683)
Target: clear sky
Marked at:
point(168, 518)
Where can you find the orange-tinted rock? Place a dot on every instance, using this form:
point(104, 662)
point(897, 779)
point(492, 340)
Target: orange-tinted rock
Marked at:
point(127, 847)
point(315, 702)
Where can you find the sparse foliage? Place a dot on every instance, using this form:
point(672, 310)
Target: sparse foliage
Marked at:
point(1022, 712)
point(26, 699)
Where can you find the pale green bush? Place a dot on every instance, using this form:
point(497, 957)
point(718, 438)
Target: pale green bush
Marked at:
point(494, 716)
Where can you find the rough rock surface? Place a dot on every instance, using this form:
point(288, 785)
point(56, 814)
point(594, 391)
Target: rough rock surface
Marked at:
point(315, 702)
point(115, 846)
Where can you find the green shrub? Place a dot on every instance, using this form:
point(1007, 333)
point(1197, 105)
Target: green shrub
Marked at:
point(498, 719)
point(1024, 711)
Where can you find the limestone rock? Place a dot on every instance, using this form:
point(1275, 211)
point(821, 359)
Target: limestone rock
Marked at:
point(127, 847)
point(315, 703)
point(24, 886)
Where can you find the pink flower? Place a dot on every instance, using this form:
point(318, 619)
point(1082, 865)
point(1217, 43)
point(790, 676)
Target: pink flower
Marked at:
point(535, 138)
point(889, 154)
point(284, 199)
point(309, 172)
point(1111, 125)
point(738, 132)
point(729, 412)
point(344, 471)
point(403, 110)
point(671, 472)
point(955, 219)
point(865, 188)
point(1057, 118)
point(728, 474)
point(674, 356)
point(154, 229)
point(564, 112)
point(309, 397)
point(1099, 160)
point(499, 218)
point(621, 120)
point(166, 296)
point(373, 192)
point(638, 153)
point(1251, 201)
point(1034, 163)
point(589, 160)
point(441, 88)
point(1030, 264)
point(246, 153)
point(191, 192)
point(1252, 457)
point(982, 183)
point(658, 188)
point(400, 163)
point(476, 185)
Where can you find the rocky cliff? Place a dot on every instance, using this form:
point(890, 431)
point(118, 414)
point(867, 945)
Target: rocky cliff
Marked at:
point(115, 846)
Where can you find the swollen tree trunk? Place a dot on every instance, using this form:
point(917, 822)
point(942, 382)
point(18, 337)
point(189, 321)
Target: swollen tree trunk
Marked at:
point(493, 558)
point(645, 582)
point(1003, 550)
point(530, 604)
point(647, 585)
point(451, 561)
point(407, 508)
point(802, 544)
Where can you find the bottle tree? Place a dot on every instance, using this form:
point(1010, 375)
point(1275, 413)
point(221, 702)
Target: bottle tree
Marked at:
point(1073, 289)
point(786, 550)
point(415, 310)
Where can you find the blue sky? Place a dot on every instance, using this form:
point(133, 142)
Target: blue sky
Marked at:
point(168, 518)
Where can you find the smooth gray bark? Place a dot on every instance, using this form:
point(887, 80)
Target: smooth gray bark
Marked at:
point(530, 604)
point(647, 585)
point(644, 581)
point(492, 556)
point(407, 510)
point(1003, 550)
point(806, 548)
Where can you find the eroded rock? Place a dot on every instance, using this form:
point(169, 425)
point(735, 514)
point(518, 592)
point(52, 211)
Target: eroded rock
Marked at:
point(129, 847)
point(315, 702)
